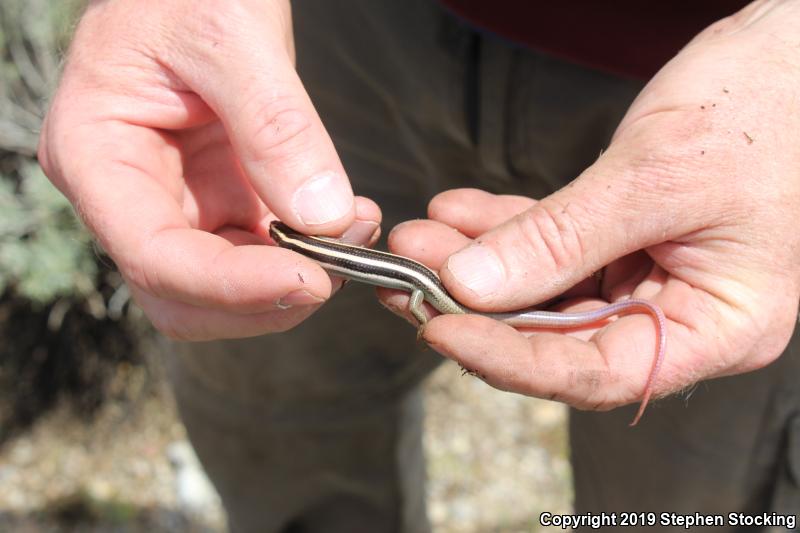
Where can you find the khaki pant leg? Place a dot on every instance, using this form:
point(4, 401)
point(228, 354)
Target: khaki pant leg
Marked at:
point(319, 428)
point(731, 445)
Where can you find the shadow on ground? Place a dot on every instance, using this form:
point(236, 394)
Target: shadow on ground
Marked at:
point(82, 513)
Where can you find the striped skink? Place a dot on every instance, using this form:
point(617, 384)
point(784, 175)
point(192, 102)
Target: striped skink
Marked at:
point(396, 272)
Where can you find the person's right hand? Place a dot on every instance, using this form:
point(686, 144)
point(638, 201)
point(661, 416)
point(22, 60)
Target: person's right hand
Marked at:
point(179, 130)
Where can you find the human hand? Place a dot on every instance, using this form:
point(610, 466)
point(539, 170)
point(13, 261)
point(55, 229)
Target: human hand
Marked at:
point(694, 206)
point(179, 130)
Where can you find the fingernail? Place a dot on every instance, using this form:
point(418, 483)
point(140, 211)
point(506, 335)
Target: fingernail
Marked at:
point(479, 269)
point(324, 198)
point(360, 232)
point(297, 298)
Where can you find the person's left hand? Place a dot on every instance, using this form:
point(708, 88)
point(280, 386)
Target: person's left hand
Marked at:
point(694, 206)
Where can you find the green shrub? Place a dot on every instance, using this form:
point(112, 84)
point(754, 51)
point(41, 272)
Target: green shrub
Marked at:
point(44, 251)
point(64, 332)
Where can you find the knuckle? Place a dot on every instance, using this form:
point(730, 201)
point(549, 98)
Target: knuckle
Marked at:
point(593, 398)
point(138, 271)
point(213, 28)
point(553, 231)
point(220, 31)
point(600, 398)
point(280, 132)
point(134, 274)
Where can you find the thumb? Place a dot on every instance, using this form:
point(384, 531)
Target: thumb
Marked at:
point(566, 237)
point(249, 80)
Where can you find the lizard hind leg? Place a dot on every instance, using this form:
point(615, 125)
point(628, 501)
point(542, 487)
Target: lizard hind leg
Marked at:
point(415, 308)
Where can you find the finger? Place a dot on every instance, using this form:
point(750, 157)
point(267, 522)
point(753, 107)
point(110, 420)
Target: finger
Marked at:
point(564, 238)
point(276, 133)
point(432, 242)
point(599, 366)
point(366, 229)
point(143, 228)
point(240, 237)
point(203, 269)
point(473, 211)
point(185, 322)
point(427, 241)
point(606, 371)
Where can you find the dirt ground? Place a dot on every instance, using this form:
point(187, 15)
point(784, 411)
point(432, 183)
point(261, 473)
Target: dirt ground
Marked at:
point(495, 460)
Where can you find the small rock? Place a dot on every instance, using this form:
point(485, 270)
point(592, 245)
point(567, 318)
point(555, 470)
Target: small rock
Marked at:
point(194, 491)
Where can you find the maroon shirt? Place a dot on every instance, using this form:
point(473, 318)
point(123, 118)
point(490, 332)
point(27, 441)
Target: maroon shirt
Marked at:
point(632, 37)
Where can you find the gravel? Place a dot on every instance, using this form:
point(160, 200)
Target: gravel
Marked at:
point(496, 460)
